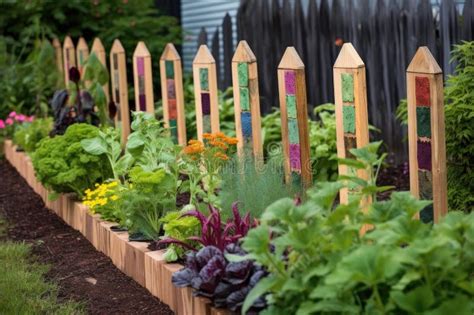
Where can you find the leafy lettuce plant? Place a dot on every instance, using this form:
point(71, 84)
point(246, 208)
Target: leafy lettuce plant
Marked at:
point(178, 227)
point(61, 164)
point(28, 135)
point(320, 262)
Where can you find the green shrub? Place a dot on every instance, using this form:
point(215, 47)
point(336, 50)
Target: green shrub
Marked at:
point(320, 263)
point(62, 165)
point(29, 134)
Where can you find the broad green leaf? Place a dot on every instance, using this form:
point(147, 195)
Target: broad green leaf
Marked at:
point(416, 301)
point(95, 146)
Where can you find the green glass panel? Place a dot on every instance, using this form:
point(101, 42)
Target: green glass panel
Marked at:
point(244, 99)
point(347, 87)
point(293, 134)
point(204, 79)
point(169, 66)
point(291, 106)
point(348, 118)
point(243, 73)
point(423, 121)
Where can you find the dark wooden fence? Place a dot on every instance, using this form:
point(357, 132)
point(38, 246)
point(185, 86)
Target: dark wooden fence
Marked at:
point(385, 33)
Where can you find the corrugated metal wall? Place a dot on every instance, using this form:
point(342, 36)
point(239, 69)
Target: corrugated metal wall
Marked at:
point(196, 14)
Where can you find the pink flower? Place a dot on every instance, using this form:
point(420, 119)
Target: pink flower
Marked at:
point(9, 121)
point(2, 124)
point(30, 118)
point(12, 114)
point(20, 118)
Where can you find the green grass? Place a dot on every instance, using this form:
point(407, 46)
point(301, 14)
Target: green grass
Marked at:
point(23, 289)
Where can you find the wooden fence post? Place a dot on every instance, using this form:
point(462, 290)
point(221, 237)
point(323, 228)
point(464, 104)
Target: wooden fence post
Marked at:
point(82, 51)
point(294, 118)
point(118, 71)
point(350, 93)
point(69, 55)
point(171, 75)
point(99, 51)
point(143, 80)
point(205, 92)
point(58, 53)
point(247, 101)
point(427, 146)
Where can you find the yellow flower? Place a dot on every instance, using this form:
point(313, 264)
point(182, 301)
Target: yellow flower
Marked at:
point(114, 197)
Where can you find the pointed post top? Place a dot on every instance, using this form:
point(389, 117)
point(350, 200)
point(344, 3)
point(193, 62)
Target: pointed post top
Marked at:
point(170, 53)
point(291, 59)
point(97, 45)
point(68, 42)
point(203, 56)
point(117, 47)
point(424, 62)
point(81, 44)
point(141, 50)
point(56, 43)
point(243, 53)
point(348, 58)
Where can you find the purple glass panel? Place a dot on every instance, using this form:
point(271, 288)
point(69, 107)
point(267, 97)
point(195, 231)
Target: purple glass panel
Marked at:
point(206, 103)
point(290, 82)
point(424, 155)
point(295, 158)
point(140, 66)
point(170, 88)
point(142, 102)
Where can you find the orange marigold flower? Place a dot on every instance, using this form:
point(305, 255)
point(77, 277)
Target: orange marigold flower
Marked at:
point(231, 140)
point(220, 144)
point(194, 141)
point(197, 147)
point(220, 135)
point(207, 136)
point(221, 156)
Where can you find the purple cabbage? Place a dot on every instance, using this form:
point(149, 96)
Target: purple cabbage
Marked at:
point(211, 275)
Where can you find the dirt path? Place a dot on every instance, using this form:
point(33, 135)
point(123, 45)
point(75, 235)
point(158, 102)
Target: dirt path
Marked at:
point(83, 274)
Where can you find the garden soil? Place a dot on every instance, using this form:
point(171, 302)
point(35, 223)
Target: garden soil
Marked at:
point(83, 274)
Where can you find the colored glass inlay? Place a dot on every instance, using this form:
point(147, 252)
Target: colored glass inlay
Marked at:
point(246, 120)
point(347, 87)
point(424, 155)
point(204, 79)
point(170, 88)
point(422, 91)
point(350, 142)
point(244, 99)
point(172, 111)
point(423, 121)
point(117, 83)
point(206, 103)
point(348, 119)
point(291, 106)
point(425, 187)
point(81, 57)
point(169, 69)
point(290, 82)
point(141, 66)
point(141, 93)
point(293, 134)
point(295, 157)
point(296, 178)
point(173, 128)
point(206, 124)
point(243, 73)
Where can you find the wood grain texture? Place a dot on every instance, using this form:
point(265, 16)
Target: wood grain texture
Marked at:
point(119, 83)
point(82, 53)
point(204, 60)
point(154, 262)
point(134, 263)
point(58, 54)
point(69, 55)
point(141, 51)
point(99, 50)
point(244, 55)
point(424, 64)
point(292, 61)
point(170, 54)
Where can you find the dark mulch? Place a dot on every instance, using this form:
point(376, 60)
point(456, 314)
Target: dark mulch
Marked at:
point(394, 175)
point(83, 274)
